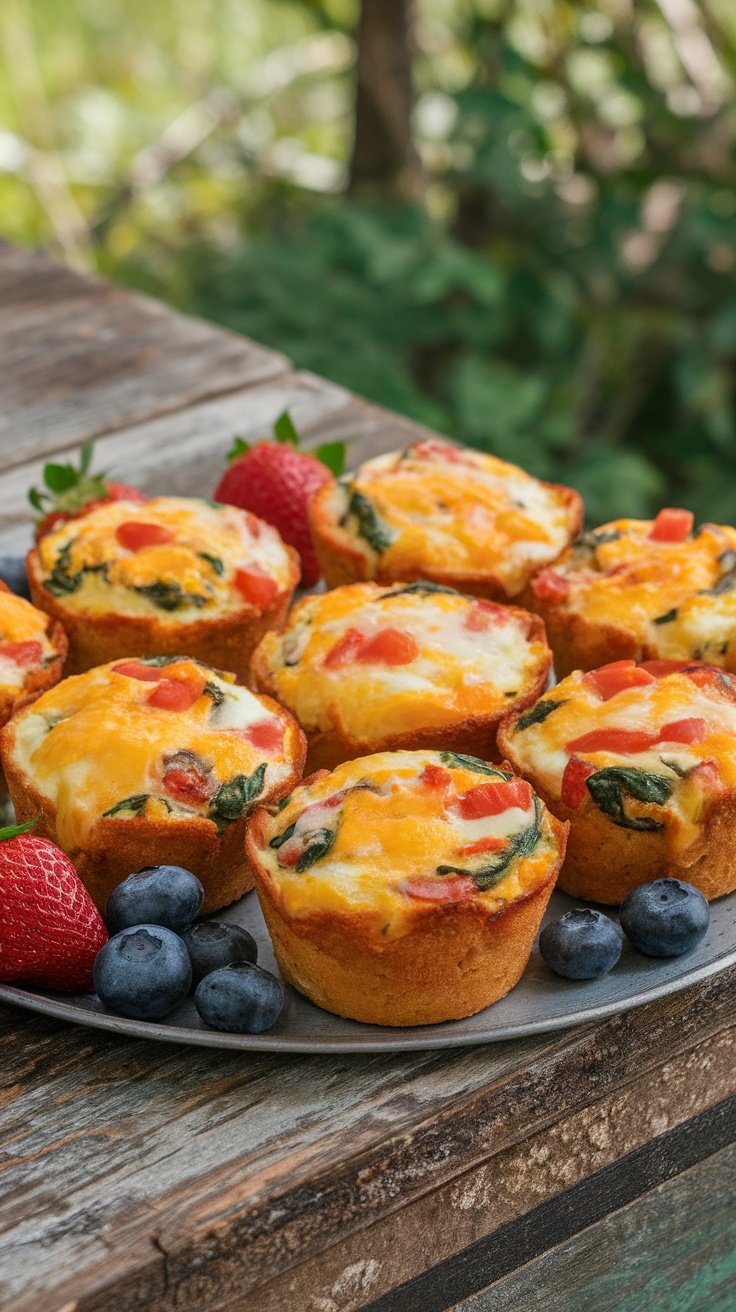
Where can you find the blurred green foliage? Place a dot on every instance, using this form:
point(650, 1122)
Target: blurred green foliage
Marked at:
point(564, 291)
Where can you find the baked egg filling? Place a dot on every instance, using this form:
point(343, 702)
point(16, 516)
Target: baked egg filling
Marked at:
point(392, 833)
point(159, 738)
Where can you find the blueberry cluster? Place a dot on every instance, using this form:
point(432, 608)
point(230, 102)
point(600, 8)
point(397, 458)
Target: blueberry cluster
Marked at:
point(156, 953)
point(665, 918)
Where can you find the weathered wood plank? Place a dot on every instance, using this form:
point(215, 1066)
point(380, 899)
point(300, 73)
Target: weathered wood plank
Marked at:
point(229, 1167)
point(184, 452)
point(492, 1197)
point(98, 359)
point(672, 1251)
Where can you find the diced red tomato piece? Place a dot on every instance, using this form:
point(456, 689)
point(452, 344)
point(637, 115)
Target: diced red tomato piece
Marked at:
point(489, 844)
point(494, 797)
point(721, 682)
point(137, 670)
point(436, 776)
point(611, 738)
point(708, 776)
point(573, 781)
point(135, 534)
point(550, 586)
point(256, 586)
point(344, 651)
point(268, 735)
point(188, 786)
point(432, 449)
point(608, 680)
point(174, 695)
point(443, 888)
point(692, 729)
point(672, 525)
point(661, 668)
point(389, 647)
point(22, 653)
point(482, 615)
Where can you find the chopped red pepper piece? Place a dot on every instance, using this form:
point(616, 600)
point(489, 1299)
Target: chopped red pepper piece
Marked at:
point(137, 670)
point(135, 534)
point(432, 449)
point(387, 647)
point(494, 797)
point(662, 667)
point(22, 653)
point(436, 776)
point(692, 729)
point(608, 680)
point(173, 695)
point(573, 781)
point(611, 738)
point(550, 586)
point(489, 844)
point(268, 735)
point(672, 525)
point(256, 586)
point(482, 615)
point(188, 786)
point(443, 888)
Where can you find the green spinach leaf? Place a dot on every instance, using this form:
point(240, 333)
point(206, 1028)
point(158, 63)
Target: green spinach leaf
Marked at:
point(421, 588)
point(319, 845)
point(370, 525)
point(610, 788)
point(538, 713)
point(459, 760)
point(135, 804)
point(231, 798)
point(168, 596)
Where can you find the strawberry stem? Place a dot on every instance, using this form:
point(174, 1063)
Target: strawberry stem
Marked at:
point(12, 831)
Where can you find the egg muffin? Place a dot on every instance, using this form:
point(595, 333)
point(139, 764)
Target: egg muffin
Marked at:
point(644, 590)
point(405, 888)
point(370, 669)
point(170, 576)
point(641, 759)
point(32, 651)
point(149, 762)
point(444, 513)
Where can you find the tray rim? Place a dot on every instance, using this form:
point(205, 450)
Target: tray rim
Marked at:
point(45, 1005)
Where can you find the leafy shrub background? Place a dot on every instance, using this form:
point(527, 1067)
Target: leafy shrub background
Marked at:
point(561, 287)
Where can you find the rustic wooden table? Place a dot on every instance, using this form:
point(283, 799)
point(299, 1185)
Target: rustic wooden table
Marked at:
point(589, 1169)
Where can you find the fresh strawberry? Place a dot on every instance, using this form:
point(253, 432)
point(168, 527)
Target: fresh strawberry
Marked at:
point(50, 929)
point(72, 492)
point(275, 481)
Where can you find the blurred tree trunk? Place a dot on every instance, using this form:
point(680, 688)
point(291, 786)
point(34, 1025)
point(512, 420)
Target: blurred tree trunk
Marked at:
point(384, 155)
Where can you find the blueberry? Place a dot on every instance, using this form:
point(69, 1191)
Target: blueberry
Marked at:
point(142, 972)
point(212, 944)
point(582, 944)
point(243, 999)
point(13, 573)
point(156, 895)
point(666, 918)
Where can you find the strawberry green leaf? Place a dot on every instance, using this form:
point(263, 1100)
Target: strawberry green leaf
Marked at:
point(59, 478)
point(12, 831)
point(238, 448)
point(86, 453)
point(37, 499)
point(284, 430)
point(332, 454)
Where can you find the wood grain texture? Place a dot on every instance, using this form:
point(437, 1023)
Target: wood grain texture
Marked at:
point(87, 358)
point(185, 452)
point(674, 1250)
point(195, 1177)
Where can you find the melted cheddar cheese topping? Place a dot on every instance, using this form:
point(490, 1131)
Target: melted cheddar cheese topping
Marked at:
point(440, 507)
point(178, 558)
point(25, 646)
point(162, 738)
point(374, 662)
point(651, 756)
point(386, 835)
point(678, 598)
